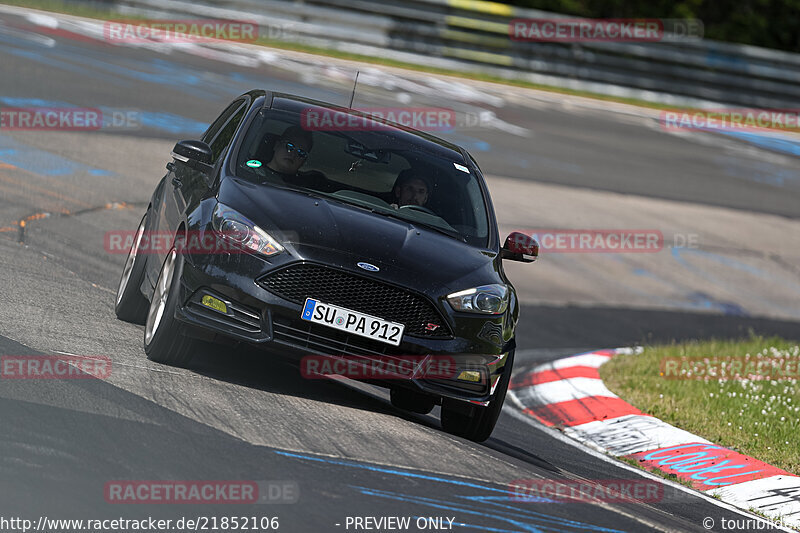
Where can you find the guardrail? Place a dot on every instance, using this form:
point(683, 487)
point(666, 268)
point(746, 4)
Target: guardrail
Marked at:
point(473, 35)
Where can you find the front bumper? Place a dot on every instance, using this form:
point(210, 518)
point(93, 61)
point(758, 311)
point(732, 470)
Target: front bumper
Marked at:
point(257, 316)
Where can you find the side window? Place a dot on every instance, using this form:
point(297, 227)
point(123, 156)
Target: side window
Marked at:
point(220, 121)
point(222, 141)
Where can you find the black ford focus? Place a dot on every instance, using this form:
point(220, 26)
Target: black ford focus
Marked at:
point(316, 231)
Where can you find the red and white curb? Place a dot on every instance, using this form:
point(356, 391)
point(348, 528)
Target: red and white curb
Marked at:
point(569, 395)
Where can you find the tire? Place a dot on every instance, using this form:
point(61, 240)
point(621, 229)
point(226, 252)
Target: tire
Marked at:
point(131, 305)
point(164, 341)
point(479, 423)
point(408, 400)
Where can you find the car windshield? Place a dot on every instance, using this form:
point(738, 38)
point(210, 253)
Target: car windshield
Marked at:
point(373, 166)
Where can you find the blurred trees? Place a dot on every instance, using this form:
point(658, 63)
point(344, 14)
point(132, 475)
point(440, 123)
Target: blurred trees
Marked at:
point(768, 23)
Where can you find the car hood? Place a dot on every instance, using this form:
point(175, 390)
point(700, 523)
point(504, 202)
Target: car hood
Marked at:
point(318, 229)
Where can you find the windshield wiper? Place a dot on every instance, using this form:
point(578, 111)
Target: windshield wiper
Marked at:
point(347, 201)
point(373, 209)
point(305, 190)
point(450, 233)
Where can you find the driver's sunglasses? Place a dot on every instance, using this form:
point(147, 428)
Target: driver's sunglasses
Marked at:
point(291, 147)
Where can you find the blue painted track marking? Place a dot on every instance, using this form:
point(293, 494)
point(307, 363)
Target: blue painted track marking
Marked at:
point(735, 264)
point(732, 263)
point(493, 503)
point(778, 143)
point(42, 162)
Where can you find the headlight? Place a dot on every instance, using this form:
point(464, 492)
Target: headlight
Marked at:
point(487, 299)
point(235, 227)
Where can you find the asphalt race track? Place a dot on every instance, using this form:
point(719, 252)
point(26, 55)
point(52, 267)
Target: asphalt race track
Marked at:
point(552, 162)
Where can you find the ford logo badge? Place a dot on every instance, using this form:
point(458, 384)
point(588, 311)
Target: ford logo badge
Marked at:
point(368, 267)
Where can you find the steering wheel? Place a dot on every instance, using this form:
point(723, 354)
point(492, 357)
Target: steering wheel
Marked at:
point(418, 208)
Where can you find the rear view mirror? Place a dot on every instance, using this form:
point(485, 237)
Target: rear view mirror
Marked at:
point(362, 152)
point(520, 247)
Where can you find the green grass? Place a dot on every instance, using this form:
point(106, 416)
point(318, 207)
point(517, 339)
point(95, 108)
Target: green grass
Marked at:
point(760, 417)
point(60, 6)
point(778, 520)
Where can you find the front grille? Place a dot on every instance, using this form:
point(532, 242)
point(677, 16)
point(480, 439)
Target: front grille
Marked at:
point(298, 282)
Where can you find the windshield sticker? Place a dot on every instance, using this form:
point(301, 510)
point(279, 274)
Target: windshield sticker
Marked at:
point(462, 168)
point(253, 163)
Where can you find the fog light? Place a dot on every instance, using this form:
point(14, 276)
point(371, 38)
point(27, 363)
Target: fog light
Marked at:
point(215, 303)
point(470, 375)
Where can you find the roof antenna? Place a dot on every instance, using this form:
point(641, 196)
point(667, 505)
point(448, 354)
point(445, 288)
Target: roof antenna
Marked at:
point(354, 90)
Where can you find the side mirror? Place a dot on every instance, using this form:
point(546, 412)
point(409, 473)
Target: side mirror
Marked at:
point(520, 247)
point(195, 154)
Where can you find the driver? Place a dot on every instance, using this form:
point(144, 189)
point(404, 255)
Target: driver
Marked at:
point(291, 151)
point(411, 188)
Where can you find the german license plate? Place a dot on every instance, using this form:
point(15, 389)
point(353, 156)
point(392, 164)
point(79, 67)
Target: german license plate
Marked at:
point(352, 322)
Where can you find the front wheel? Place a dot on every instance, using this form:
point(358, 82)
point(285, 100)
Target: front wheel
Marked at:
point(477, 425)
point(131, 305)
point(163, 340)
